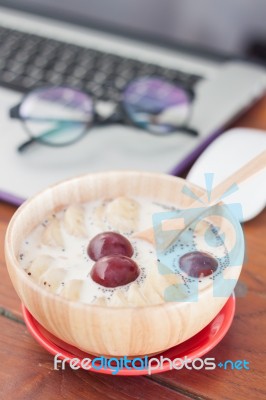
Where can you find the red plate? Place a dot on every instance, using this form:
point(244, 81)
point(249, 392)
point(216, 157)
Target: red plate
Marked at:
point(192, 348)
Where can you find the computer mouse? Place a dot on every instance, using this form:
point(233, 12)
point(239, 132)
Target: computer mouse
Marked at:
point(224, 156)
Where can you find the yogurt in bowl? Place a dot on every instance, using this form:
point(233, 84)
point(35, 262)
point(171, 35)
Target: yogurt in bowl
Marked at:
point(52, 266)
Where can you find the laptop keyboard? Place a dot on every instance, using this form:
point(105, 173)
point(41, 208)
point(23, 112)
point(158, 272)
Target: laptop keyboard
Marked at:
point(28, 61)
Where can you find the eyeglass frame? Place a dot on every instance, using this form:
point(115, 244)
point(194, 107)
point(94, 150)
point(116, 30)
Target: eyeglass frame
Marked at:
point(119, 116)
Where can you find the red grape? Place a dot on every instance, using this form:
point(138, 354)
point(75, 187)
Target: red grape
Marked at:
point(109, 243)
point(115, 270)
point(198, 264)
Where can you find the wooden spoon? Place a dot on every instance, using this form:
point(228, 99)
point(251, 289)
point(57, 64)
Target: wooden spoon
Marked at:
point(254, 166)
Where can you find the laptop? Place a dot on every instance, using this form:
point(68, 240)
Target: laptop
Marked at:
point(99, 46)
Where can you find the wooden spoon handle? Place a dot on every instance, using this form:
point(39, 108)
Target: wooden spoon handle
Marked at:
point(254, 166)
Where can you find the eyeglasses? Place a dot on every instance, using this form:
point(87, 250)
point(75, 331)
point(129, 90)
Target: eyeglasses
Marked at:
point(60, 116)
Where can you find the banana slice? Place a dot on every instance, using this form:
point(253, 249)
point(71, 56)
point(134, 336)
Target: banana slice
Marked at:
point(151, 295)
point(39, 266)
point(118, 299)
point(157, 283)
point(52, 279)
point(101, 301)
point(170, 285)
point(52, 235)
point(98, 216)
point(122, 214)
point(176, 293)
point(74, 220)
point(72, 289)
point(135, 296)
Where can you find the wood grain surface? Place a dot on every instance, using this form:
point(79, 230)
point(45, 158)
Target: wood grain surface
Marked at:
point(26, 369)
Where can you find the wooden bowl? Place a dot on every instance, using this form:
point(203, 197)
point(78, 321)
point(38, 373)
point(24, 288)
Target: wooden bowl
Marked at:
point(102, 330)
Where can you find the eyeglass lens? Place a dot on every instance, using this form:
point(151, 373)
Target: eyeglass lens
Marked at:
point(57, 115)
point(157, 105)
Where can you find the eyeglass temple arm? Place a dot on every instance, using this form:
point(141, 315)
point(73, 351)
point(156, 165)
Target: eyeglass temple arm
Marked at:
point(26, 144)
point(29, 142)
point(32, 140)
point(190, 131)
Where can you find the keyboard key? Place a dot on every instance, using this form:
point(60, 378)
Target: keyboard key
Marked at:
point(8, 76)
point(79, 72)
point(53, 78)
point(29, 82)
point(120, 83)
point(99, 78)
point(60, 66)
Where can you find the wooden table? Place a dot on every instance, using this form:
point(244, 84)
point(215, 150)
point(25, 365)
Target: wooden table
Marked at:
point(26, 370)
